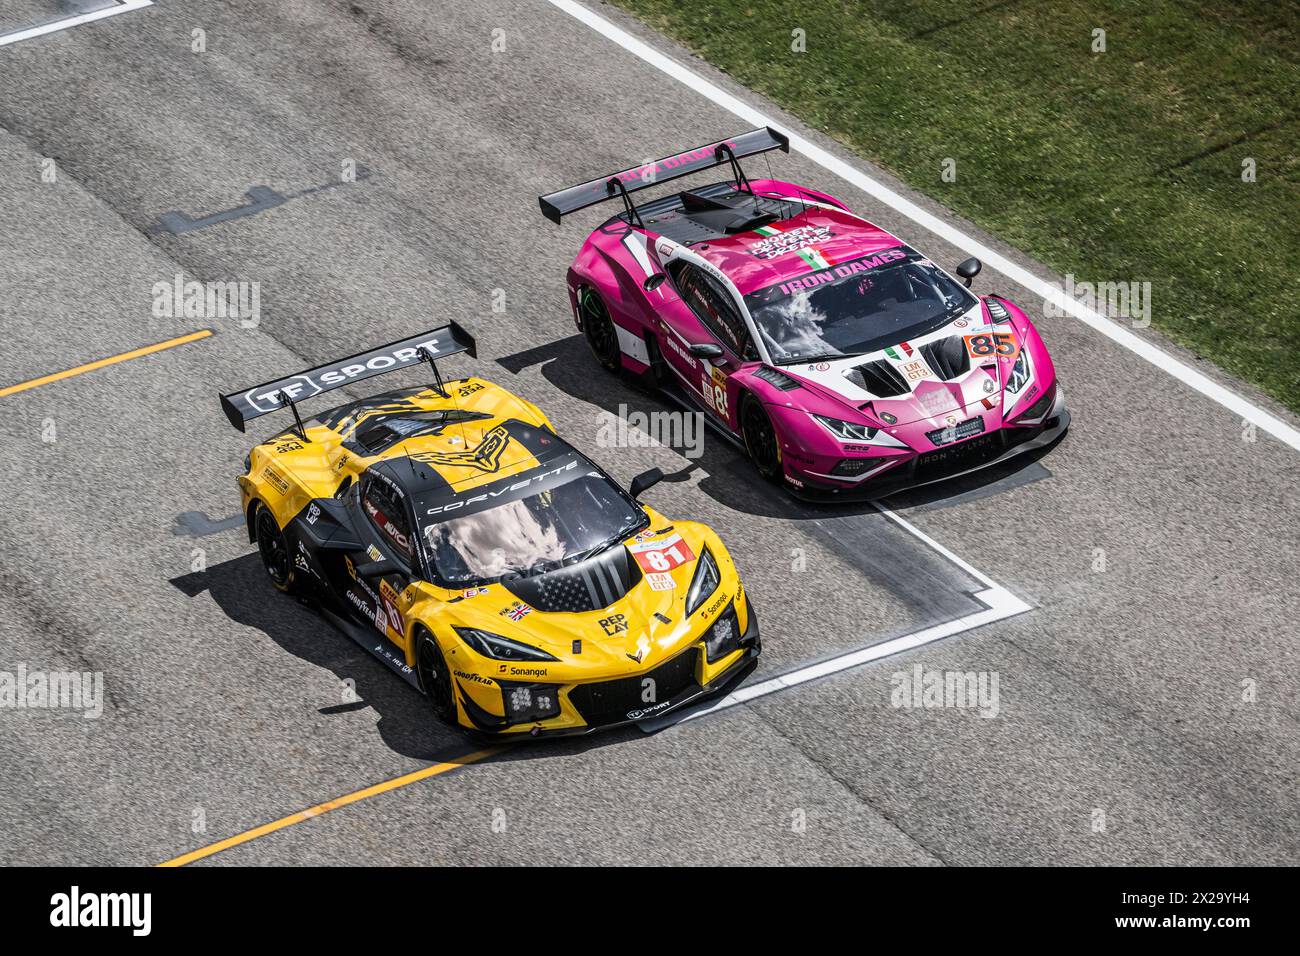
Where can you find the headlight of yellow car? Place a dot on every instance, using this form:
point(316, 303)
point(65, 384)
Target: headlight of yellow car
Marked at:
point(501, 648)
point(704, 583)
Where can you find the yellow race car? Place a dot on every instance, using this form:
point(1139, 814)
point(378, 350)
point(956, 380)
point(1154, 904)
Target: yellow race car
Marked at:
point(453, 534)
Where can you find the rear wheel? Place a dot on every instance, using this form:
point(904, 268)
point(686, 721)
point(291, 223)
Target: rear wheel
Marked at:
point(435, 676)
point(598, 328)
point(760, 440)
point(274, 549)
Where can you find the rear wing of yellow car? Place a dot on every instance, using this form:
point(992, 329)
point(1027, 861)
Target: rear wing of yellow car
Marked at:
point(243, 406)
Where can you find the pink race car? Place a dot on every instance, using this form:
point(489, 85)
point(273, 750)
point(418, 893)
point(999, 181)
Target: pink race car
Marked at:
point(845, 362)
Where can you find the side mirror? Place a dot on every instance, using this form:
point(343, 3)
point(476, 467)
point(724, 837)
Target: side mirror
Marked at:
point(376, 569)
point(705, 350)
point(646, 480)
point(653, 282)
point(969, 269)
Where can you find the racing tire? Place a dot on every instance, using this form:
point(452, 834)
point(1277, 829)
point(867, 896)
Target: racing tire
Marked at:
point(598, 329)
point(760, 440)
point(435, 676)
point(274, 549)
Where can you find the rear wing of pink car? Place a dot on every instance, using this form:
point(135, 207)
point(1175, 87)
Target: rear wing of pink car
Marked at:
point(559, 204)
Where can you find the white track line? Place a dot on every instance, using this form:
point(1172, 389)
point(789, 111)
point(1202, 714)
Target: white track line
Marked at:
point(936, 546)
point(1021, 276)
point(123, 6)
point(1001, 603)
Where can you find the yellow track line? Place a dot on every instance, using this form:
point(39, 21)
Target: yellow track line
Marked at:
point(101, 363)
point(327, 806)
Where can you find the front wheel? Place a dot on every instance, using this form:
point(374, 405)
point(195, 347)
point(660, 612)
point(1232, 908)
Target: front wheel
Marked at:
point(760, 440)
point(435, 676)
point(598, 328)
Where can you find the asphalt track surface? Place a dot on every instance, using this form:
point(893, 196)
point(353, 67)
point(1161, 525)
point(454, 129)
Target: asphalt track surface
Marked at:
point(1120, 690)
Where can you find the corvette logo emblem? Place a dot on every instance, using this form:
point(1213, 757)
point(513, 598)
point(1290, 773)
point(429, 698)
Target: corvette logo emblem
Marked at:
point(485, 456)
point(642, 648)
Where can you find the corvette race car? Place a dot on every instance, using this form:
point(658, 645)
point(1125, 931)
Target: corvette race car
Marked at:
point(845, 362)
point(454, 535)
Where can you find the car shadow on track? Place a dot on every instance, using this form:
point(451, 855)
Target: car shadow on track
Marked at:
point(240, 588)
point(730, 479)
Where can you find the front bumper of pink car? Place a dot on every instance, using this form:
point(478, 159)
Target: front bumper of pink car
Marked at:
point(855, 473)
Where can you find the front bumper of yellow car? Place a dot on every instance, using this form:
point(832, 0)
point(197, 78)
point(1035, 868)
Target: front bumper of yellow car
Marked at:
point(527, 710)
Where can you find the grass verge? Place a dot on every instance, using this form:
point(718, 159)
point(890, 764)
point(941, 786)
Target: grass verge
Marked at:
point(1117, 166)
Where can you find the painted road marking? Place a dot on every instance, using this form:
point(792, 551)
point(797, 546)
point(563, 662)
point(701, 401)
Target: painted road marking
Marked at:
point(260, 199)
point(1000, 603)
point(1095, 320)
point(104, 362)
point(27, 33)
point(312, 812)
point(935, 545)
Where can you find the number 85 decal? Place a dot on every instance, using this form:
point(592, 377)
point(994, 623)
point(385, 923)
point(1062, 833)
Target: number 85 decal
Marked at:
point(1002, 344)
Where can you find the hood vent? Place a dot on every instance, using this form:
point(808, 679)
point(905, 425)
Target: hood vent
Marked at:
point(879, 378)
point(727, 214)
point(590, 586)
point(948, 357)
point(776, 378)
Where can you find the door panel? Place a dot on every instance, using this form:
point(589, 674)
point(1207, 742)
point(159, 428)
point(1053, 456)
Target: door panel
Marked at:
point(383, 524)
point(717, 318)
point(678, 331)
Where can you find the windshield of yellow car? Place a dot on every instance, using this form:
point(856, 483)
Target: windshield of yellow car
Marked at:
point(528, 525)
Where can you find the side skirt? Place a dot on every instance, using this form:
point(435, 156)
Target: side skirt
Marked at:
point(678, 396)
point(377, 644)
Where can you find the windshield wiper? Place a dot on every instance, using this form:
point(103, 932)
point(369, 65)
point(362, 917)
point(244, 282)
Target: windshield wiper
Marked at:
point(605, 545)
point(822, 358)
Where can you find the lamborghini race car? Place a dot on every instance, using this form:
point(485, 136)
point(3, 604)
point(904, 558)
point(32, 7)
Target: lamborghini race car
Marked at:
point(454, 535)
point(844, 362)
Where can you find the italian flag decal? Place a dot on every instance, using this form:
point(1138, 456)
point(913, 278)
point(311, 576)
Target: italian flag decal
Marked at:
point(904, 347)
point(767, 231)
point(814, 258)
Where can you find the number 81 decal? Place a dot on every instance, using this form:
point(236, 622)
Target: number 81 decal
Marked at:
point(663, 555)
point(1002, 344)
